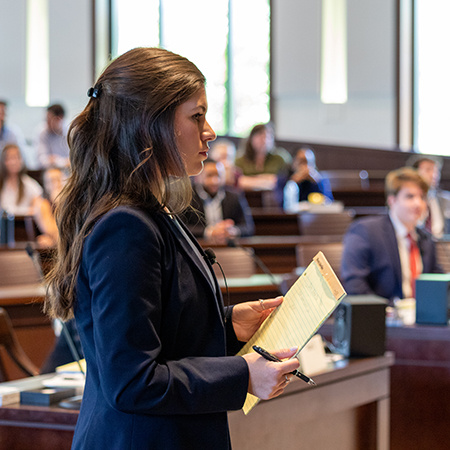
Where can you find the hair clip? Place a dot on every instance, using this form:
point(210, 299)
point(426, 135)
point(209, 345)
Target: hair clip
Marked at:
point(93, 92)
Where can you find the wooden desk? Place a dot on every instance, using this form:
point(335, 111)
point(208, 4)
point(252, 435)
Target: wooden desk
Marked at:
point(348, 409)
point(374, 196)
point(355, 197)
point(420, 406)
point(278, 253)
point(36, 427)
point(420, 386)
point(253, 288)
point(274, 221)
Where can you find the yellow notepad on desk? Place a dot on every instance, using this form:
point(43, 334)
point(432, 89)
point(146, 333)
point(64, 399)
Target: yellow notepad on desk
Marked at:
point(72, 367)
point(309, 302)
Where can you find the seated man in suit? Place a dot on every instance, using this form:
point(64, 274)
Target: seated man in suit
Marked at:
point(218, 212)
point(384, 254)
point(437, 216)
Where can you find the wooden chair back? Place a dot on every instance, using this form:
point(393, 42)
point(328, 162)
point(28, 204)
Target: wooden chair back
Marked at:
point(9, 341)
point(235, 262)
point(332, 251)
point(324, 224)
point(25, 229)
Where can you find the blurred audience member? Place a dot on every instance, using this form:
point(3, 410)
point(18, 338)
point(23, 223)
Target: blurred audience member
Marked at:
point(302, 180)
point(21, 195)
point(9, 133)
point(383, 255)
point(224, 151)
point(262, 161)
point(437, 217)
point(54, 180)
point(218, 212)
point(51, 145)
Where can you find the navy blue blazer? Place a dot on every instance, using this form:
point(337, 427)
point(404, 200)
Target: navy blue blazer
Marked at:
point(371, 262)
point(152, 328)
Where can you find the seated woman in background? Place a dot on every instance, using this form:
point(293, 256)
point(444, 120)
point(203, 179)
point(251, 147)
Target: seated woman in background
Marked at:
point(54, 180)
point(262, 161)
point(302, 180)
point(21, 195)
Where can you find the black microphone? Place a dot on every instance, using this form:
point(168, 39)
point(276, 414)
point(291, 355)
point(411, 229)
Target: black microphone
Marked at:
point(210, 256)
point(250, 251)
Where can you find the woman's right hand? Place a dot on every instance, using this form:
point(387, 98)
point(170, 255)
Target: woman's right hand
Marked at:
point(268, 379)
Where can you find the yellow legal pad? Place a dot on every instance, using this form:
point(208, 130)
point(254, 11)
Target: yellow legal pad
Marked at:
point(309, 302)
point(72, 367)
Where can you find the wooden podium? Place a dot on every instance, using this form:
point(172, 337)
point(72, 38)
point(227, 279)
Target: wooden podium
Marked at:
point(348, 409)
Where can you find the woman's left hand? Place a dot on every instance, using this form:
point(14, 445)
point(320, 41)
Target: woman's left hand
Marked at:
point(247, 317)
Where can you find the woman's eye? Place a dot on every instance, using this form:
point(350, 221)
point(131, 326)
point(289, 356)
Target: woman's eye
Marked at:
point(198, 116)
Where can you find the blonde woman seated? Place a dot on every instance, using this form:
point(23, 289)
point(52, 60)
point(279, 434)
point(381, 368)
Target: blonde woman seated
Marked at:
point(21, 195)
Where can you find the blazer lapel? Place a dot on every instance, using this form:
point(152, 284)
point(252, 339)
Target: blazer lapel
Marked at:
point(190, 255)
point(392, 249)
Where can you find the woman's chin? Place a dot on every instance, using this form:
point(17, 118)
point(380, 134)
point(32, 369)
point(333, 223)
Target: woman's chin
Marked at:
point(195, 170)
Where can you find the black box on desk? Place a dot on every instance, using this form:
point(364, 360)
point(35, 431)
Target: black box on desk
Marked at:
point(432, 298)
point(360, 326)
point(45, 396)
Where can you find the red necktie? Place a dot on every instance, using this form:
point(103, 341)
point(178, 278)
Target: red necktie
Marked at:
point(413, 262)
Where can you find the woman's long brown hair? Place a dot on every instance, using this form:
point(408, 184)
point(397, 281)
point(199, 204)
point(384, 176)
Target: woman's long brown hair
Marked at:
point(122, 151)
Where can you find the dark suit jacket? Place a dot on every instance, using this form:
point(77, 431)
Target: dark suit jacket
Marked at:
point(152, 327)
point(305, 188)
point(234, 206)
point(371, 262)
point(444, 203)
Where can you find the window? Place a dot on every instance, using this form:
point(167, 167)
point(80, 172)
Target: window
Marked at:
point(334, 52)
point(432, 75)
point(37, 90)
point(229, 41)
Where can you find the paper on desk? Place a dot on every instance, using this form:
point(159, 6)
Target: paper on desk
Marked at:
point(309, 302)
point(72, 367)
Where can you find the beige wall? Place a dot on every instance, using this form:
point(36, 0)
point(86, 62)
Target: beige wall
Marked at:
point(368, 119)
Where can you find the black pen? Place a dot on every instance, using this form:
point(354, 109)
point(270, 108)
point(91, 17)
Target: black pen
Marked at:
point(265, 354)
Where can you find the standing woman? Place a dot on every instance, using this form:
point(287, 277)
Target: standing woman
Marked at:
point(147, 305)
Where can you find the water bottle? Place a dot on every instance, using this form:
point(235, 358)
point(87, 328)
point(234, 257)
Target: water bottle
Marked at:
point(291, 196)
point(7, 229)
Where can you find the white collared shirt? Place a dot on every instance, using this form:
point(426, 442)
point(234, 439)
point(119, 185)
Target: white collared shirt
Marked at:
point(403, 250)
point(212, 205)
